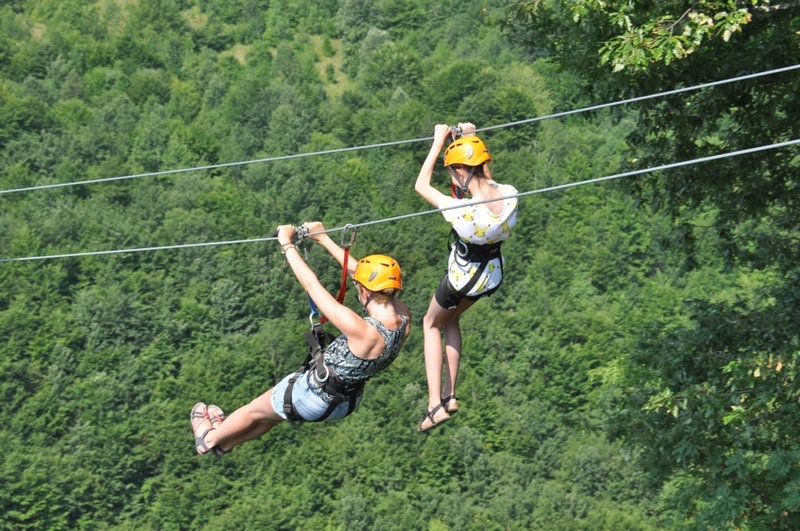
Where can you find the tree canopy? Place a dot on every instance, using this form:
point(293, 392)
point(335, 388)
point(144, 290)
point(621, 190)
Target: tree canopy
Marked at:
point(708, 400)
point(637, 370)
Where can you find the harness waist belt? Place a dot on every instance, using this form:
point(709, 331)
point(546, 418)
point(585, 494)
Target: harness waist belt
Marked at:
point(329, 381)
point(472, 252)
point(477, 253)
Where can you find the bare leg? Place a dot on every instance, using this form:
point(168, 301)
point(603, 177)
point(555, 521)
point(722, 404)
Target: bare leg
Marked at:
point(433, 353)
point(439, 319)
point(245, 424)
point(452, 341)
point(452, 357)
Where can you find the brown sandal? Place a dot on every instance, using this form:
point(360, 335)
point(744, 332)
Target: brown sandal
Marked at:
point(429, 415)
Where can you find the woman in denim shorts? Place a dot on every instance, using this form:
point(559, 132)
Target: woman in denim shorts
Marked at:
point(365, 347)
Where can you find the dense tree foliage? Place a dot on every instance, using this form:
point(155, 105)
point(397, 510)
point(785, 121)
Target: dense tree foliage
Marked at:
point(103, 356)
point(711, 400)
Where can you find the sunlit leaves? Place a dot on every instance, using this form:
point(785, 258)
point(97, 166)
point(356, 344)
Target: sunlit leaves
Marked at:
point(639, 37)
point(722, 402)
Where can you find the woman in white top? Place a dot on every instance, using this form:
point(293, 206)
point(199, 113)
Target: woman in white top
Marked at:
point(475, 265)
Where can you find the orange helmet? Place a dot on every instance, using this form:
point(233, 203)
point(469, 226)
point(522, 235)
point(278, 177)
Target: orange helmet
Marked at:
point(378, 272)
point(469, 151)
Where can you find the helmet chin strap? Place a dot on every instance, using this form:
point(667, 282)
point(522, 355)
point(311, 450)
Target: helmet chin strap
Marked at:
point(463, 186)
point(366, 302)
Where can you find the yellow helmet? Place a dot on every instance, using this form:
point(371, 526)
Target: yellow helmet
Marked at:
point(469, 151)
point(378, 272)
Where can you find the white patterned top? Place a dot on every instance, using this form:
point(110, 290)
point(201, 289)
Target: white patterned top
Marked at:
point(478, 225)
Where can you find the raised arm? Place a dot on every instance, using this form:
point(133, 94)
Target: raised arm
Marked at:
point(423, 185)
point(342, 317)
point(330, 245)
point(468, 129)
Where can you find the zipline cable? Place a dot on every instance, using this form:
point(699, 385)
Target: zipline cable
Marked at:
point(399, 142)
point(647, 97)
point(422, 213)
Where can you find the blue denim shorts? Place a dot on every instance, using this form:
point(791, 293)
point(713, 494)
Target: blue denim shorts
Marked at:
point(307, 400)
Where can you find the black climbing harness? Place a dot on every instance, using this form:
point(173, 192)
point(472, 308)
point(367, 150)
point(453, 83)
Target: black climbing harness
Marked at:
point(321, 377)
point(470, 252)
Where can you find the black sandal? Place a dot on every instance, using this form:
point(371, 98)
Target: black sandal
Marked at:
point(446, 401)
point(429, 415)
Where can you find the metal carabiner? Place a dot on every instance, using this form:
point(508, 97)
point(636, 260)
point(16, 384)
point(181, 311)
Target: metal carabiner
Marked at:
point(301, 232)
point(320, 383)
point(314, 311)
point(352, 236)
point(455, 131)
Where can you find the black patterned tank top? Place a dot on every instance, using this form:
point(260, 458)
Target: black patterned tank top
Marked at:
point(353, 369)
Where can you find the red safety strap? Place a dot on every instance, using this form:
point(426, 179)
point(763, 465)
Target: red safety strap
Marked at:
point(343, 288)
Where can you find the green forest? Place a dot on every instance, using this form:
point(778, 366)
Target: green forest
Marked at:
point(638, 369)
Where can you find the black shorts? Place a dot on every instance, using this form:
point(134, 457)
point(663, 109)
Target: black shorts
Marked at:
point(448, 297)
